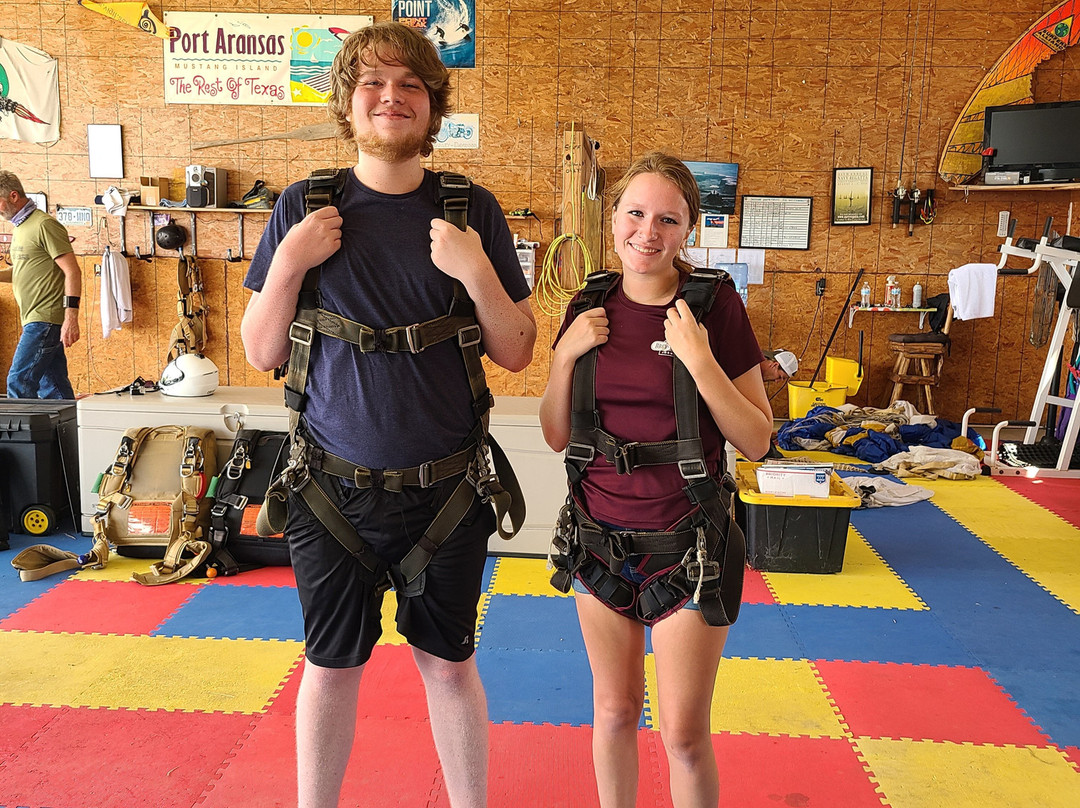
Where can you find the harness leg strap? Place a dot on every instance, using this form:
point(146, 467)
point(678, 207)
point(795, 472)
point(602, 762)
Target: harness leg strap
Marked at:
point(446, 520)
point(333, 520)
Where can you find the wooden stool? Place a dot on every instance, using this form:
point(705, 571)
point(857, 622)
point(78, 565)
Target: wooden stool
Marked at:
point(919, 358)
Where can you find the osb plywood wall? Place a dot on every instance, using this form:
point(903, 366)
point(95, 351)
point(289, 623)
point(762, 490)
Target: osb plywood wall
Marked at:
point(788, 89)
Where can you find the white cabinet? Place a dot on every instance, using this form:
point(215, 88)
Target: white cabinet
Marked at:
point(103, 418)
point(515, 424)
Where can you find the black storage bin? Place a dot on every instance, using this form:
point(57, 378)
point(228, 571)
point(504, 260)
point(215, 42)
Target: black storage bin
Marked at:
point(39, 462)
point(793, 534)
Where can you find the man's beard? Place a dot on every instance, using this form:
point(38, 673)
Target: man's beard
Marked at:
point(390, 151)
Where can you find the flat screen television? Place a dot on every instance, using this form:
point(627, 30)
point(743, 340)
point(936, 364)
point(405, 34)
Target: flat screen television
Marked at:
point(1041, 141)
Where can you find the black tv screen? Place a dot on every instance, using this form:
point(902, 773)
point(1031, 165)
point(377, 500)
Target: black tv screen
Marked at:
point(1043, 139)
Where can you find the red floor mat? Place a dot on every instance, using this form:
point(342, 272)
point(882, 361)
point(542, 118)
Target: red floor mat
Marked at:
point(765, 771)
point(120, 759)
point(924, 702)
point(393, 763)
point(99, 607)
point(391, 687)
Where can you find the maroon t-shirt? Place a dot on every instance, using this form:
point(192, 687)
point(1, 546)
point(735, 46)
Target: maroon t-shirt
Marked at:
point(636, 401)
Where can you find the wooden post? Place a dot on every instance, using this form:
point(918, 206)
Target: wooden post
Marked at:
point(582, 208)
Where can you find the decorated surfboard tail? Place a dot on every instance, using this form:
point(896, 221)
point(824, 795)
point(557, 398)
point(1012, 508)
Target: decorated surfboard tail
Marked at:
point(1007, 82)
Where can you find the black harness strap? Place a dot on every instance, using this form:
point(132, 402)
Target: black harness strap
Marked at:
point(717, 590)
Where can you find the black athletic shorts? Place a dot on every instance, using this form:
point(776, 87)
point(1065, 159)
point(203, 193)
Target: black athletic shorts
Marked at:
point(343, 615)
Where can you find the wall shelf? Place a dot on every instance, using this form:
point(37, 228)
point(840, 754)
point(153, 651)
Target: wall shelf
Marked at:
point(1031, 186)
point(184, 209)
point(921, 311)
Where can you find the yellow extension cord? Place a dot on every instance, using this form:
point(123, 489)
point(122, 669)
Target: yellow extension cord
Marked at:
point(551, 295)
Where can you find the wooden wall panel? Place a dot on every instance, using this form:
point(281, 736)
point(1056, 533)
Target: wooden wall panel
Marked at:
point(786, 88)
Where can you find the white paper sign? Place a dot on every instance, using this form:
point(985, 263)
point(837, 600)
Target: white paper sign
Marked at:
point(714, 230)
point(262, 59)
point(461, 131)
point(755, 262)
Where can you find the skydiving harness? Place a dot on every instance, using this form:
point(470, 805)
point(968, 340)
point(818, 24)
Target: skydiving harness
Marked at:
point(308, 465)
point(189, 334)
point(702, 556)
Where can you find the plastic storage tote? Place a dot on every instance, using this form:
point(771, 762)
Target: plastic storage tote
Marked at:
point(793, 534)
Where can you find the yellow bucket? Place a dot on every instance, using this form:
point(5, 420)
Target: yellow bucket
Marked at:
point(843, 373)
point(802, 397)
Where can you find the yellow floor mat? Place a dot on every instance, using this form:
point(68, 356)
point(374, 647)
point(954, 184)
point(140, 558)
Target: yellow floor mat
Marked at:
point(762, 696)
point(866, 580)
point(921, 774)
point(523, 576)
point(133, 672)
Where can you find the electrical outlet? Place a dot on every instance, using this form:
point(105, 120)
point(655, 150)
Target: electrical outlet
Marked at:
point(819, 287)
point(1003, 224)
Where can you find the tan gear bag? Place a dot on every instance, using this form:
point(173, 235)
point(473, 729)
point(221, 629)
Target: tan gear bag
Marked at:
point(152, 500)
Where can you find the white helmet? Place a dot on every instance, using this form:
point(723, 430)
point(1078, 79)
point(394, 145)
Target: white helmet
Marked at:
point(189, 374)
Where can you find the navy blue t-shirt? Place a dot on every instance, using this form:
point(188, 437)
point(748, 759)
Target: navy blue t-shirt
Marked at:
point(377, 409)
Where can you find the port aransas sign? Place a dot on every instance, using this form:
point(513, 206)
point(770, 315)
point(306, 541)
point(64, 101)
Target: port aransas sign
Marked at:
point(260, 59)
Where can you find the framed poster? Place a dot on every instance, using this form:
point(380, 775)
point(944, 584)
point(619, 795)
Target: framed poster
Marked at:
point(851, 195)
point(716, 183)
point(775, 222)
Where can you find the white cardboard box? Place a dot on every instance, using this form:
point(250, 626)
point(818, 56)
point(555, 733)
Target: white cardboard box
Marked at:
point(795, 480)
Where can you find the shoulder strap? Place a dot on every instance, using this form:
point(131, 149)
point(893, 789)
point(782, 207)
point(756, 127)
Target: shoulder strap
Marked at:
point(598, 286)
point(454, 191)
point(324, 187)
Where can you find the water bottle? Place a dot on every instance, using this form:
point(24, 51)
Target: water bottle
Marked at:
point(916, 296)
point(892, 292)
point(864, 294)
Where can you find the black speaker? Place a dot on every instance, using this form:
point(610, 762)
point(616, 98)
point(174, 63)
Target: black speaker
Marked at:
point(198, 196)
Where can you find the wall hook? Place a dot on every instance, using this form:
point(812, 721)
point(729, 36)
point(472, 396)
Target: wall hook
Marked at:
point(194, 243)
point(240, 244)
point(123, 236)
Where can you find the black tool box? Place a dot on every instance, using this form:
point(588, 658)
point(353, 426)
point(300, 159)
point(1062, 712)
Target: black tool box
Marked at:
point(39, 463)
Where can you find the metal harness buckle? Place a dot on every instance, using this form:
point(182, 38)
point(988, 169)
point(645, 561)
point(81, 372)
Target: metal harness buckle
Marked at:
point(296, 328)
point(700, 569)
point(413, 338)
point(580, 452)
point(622, 457)
point(693, 469)
point(468, 336)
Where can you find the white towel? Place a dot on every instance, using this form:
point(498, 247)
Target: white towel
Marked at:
point(972, 288)
point(115, 292)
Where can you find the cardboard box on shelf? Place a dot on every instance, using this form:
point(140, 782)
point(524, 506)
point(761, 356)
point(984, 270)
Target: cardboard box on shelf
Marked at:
point(153, 189)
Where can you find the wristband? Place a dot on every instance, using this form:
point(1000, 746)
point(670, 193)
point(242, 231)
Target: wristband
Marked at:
point(71, 302)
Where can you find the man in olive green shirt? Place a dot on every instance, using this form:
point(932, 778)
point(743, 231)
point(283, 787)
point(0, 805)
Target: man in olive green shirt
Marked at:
point(47, 283)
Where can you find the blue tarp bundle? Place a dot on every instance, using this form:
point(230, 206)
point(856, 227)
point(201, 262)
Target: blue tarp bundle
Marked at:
point(848, 434)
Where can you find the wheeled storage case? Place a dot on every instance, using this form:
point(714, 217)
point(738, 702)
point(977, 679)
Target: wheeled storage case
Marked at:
point(38, 446)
